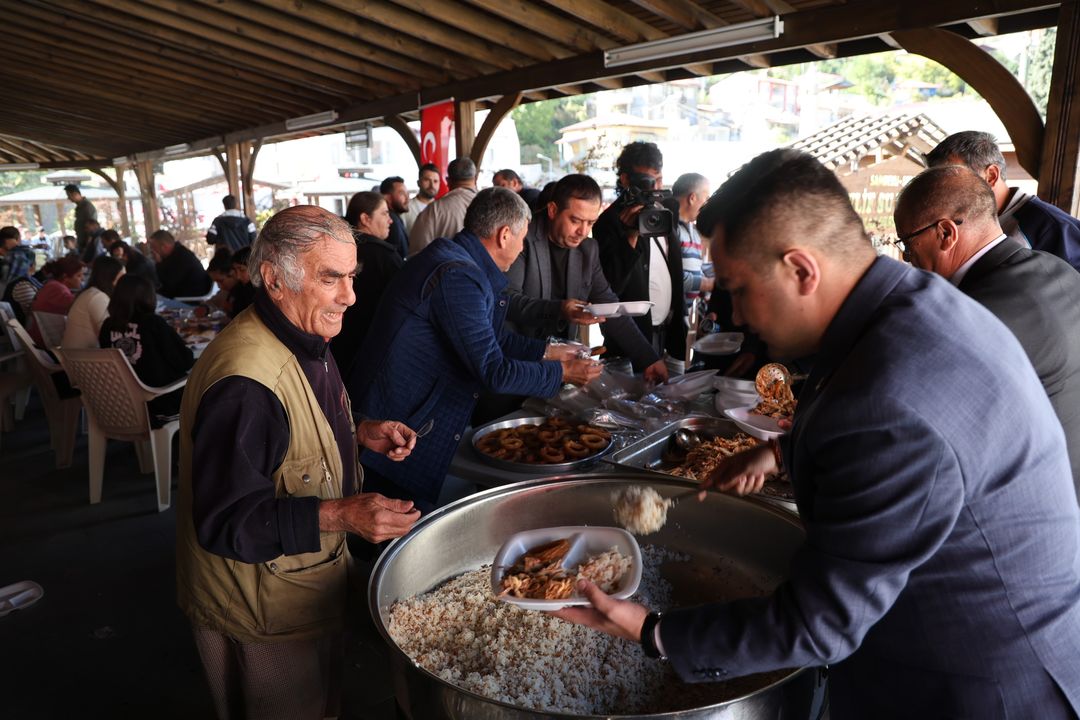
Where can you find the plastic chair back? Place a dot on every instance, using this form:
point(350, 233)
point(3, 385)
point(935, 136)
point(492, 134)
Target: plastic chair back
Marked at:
point(111, 392)
point(51, 326)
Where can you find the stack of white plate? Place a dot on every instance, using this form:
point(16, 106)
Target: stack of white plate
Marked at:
point(733, 393)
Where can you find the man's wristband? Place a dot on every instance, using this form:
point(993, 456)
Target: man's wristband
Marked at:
point(648, 636)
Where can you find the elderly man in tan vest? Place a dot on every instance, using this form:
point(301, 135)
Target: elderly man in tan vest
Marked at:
point(269, 481)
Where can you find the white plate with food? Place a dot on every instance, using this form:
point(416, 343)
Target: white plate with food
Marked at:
point(688, 386)
point(762, 427)
point(608, 310)
point(726, 343)
point(539, 569)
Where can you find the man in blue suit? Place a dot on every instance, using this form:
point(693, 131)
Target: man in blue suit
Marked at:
point(438, 340)
point(940, 576)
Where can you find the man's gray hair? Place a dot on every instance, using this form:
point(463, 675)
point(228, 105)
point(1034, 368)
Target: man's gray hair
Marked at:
point(978, 150)
point(496, 207)
point(288, 235)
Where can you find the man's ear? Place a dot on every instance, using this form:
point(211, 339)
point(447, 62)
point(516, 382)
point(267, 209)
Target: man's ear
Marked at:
point(950, 233)
point(804, 267)
point(552, 210)
point(992, 174)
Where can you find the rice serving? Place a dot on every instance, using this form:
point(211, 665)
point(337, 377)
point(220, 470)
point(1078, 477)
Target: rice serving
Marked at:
point(640, 509)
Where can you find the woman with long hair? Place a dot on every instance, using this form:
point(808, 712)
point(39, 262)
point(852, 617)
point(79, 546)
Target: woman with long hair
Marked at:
point(377, 263)
point(57, 294)
point(158, 355)
point(91, 305)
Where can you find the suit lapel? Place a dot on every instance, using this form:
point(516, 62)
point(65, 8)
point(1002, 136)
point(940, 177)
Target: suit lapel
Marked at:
point(543, 266)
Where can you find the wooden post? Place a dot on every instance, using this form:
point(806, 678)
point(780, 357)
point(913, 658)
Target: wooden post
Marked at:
point(464, 126)
point(1061, 146)
point(121, 200)
point(60, 217)
point(232, 175)
point(144, 173)
point(398, 125)
point(248, 152)
point(495, 116)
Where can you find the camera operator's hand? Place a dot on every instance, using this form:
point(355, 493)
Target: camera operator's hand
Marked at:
point(628, 217)
point(573, 312)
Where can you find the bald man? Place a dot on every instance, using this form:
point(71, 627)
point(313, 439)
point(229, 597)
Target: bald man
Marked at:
point(940, 575)
point(947, 221)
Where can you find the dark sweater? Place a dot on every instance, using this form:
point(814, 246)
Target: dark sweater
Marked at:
point(158, 355)
point(377, 263)
point(182, 274)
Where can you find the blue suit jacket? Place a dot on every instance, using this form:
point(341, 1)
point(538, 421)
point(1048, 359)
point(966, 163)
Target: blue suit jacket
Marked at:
point(941, 571)
point(438, 340)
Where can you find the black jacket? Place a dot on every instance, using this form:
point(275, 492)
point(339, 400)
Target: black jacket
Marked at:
point(231, 228)
point(377, 263)
point(182, 274)
point(158, 355)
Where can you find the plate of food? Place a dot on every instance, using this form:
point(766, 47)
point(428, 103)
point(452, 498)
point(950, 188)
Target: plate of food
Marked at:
point(607, 310)
point(688, 386)
point(539, 569)
point(541, 444)
point(760, 426)
point(726, 343)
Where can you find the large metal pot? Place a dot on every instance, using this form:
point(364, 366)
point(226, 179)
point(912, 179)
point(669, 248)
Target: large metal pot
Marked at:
point(753, 537)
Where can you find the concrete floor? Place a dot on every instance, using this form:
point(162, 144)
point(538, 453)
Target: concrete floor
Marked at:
point(107, 640)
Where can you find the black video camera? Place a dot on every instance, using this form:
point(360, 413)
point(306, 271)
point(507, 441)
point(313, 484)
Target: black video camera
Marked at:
point(654, 220)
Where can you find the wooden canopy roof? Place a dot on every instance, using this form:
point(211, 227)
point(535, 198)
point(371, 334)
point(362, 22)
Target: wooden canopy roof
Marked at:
point(87, 81)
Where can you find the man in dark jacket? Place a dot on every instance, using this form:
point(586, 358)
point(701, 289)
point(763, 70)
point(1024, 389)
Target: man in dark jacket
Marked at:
point(180, 273)
point(84, 210)
point(231, 229)
point(640, 268)
point(438, 340)
point(948, 223)
point(397, 200)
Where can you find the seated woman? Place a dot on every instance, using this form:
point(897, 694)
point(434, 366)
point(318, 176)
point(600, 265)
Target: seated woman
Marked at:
point(158, 355)
point(91, 306)
point(56, 296)
point(243, 293)
point(377, 263)
point(22, 286)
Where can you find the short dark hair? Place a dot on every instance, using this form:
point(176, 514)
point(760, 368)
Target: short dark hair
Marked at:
point(508, 175)
point(429, 167)
point(163, 236)
point(241, 256)
point(461, 168)
point(955, 191)
point(63, 267)
point(133, 297)
point(9, 232)
point(686, 184)
point(124, 248)
point(110, 237)
point(574, 187)
point(719, 208)
point(103, 272)
point(979, 150)
point(778, 196)
point(222, 262)
point(639, 154)
point(72, 188)
point(230, 203)
point(362, 203)
point(387, 186)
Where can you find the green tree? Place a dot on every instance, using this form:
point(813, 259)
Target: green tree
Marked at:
point(1040, 68)
point(538, 124)
point(16, 180)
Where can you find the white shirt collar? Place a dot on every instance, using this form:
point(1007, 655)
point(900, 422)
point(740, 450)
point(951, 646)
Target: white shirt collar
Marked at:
point(958, 276)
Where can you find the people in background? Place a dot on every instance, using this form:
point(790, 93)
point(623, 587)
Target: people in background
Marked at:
point(18, 286)
point(178, 270)
point(262, 563)
point(220, 270)
point(135, 263)
point(397, 202)
point(508, 178)
point(87, 314)
point(691, 191)
point(95, 245)
point(1024, 217)
point(156, 352)
point(232, 229)
point(445, 217)
point(84, 210)
point(10, 239)
point(427, 187)
point(377, 262)
point(243, 292)
point(947, 221)
point(57, 294)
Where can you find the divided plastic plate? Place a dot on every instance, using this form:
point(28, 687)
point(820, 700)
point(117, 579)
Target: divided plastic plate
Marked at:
point(630, 309)
point(726, 343)
point(19, 596)
point(585, 542)
point(760, 426)
point(688, 386)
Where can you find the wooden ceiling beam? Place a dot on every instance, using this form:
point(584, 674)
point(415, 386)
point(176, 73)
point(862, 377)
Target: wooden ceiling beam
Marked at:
point(500, 110)
point(438, 36)
point(533, 16)
point(199, 42)
point(825, 51)
point(15, 153)
point(377, 54)
point(685, 13)
point(29, 123)
point(356, 27)
point(610, 19)
point(69, 30)
point(487, 28)
point(202, 24)
point(290, 36)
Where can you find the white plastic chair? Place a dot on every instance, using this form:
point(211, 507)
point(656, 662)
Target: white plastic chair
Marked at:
point(10, 384)
point(13, 361)
point(62, 413)
point(51, 326)
point(115, 401)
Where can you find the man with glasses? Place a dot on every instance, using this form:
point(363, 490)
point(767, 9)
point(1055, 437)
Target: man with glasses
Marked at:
point(1034, 293)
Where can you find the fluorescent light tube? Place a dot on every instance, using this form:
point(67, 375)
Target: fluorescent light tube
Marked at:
point(306, 121)
point(753, 31)
point(177, 149)
point(20, 166)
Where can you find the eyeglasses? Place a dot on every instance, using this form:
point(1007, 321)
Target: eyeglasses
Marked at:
point(902, 242)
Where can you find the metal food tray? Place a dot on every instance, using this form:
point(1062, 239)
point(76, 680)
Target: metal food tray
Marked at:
point(647, 454)
point(535, 468)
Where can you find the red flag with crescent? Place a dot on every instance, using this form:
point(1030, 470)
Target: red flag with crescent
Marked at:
point(436, 133)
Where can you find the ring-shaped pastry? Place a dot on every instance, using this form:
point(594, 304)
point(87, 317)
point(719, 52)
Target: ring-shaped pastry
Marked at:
point(575, 449)
point(552, 455)
point(593, 441)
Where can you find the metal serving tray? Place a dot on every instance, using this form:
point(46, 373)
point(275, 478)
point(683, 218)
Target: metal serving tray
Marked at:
point(648, 453)
point(538, 468)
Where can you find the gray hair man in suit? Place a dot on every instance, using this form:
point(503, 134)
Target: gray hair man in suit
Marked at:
point(940, 575)
point(947, 221)
point(559, 271)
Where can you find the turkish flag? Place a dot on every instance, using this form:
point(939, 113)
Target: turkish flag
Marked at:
point(436, 132)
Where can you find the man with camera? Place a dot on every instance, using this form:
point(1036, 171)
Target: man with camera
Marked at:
point(639, 249)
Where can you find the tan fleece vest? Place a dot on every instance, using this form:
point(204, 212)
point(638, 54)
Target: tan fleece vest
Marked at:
point(291, 597)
